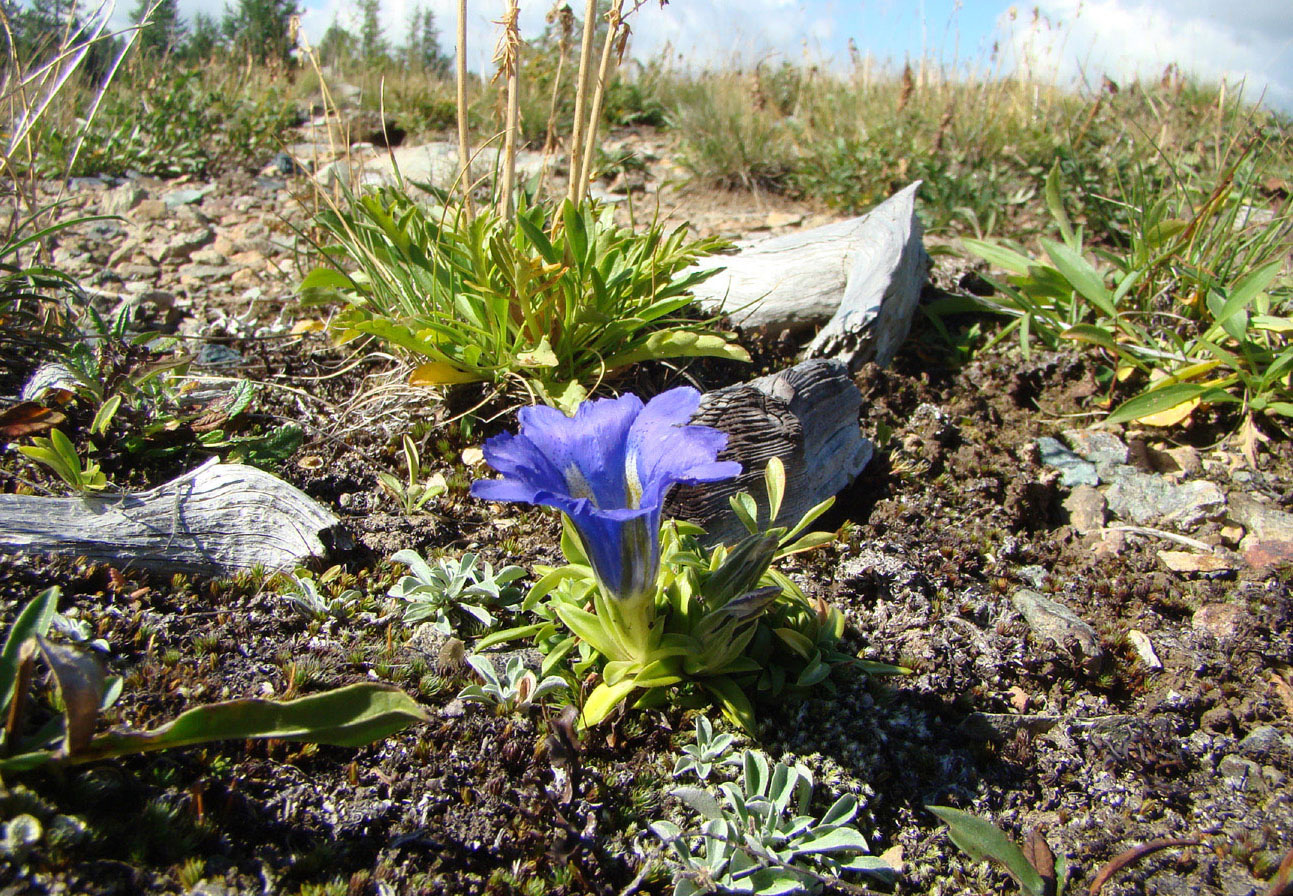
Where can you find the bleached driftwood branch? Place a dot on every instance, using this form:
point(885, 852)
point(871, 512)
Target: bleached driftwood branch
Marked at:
point(216, 519)
point(849, 270)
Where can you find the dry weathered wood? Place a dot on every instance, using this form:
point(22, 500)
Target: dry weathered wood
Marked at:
point(888, 272)
point(807, 416)
point(798, 281)
point(216, 519)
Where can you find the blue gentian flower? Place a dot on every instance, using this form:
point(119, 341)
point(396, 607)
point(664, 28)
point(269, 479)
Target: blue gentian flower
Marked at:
point(608, 468)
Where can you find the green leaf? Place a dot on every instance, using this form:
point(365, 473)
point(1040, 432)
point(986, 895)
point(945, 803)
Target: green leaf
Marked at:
point(588, 628)
point(1081, 276)
point(837, 840)
point(774, 480)
point(324, 278)
point(350, 716)
point(603, 700)
point(999, 256)
point(1056, 205)
point(679, 344)
point(742, 504)
point(103, 416)
point(34, 621)
point(1096, 335)
point(981, 839)
point(732, 700)
point(493, 639)
point(1155, 401)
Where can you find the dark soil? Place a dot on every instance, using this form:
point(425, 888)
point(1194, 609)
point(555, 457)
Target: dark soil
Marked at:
point(953, 516)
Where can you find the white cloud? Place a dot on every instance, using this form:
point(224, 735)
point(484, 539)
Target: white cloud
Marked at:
point(1240, 41)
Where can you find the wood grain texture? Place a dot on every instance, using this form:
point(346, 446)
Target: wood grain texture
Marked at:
point(807, 416)
point(798, 281)
point(889, 270)
point(216, 519)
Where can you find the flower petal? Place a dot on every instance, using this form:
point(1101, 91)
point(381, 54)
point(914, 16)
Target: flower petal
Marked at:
point(587, 449)
point(663, 450)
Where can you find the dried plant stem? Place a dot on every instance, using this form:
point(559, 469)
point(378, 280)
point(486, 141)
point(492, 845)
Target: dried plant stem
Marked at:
point(581, 89)
point(511, 62)
point(613, 35)
point(464, 144)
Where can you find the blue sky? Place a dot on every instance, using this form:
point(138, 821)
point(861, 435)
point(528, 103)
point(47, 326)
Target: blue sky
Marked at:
point(1248, 41)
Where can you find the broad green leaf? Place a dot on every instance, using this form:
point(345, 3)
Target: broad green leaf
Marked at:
point(493, 639)
point(34, 621)
point(1056, 205)
point(1081, 276)
point(349, 716)
point(541, 355)
point(103, 416)
point(325, 279)
point(603, 700)
point(1272, 324)
point(981, 839)
point(1096, 335)
point(742, 504)
point(796, 641)
point(679, 344)
point(588, 628)
point(1156, 401)
point(774, 479)
point(999, 256)
point(838, 840)
point(732, 700)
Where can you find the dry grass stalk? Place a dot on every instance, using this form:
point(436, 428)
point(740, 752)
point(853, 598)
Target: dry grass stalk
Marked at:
point(464, 141)
point(614, 46)
point(508, 58)
point(581, 90)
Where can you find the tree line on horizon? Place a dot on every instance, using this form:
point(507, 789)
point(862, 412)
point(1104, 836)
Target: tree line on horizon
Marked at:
point(260, 30)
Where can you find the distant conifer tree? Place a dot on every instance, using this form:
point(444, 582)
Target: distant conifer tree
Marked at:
point(261, 28)
point(164, 31)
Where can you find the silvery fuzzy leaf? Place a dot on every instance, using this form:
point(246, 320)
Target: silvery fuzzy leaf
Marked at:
point(841, 811)
point(699, 800)
point(417, 566)
point(835, 840)
point(756, 773)
point(869, 865)
point(485, 668)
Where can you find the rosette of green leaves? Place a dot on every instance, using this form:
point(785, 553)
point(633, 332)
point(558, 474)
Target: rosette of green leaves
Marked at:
point(553, 300)
point(759, 835)
point(432, 591)
point(726, 622)
point(518, 688)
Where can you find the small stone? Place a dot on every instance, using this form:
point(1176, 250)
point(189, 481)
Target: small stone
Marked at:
point(1265, 743)
point(207, 256)
point(122, 199)
point(150, 210)
point(223, 245)
point(1074, 471)
point(1225, 622)
point(782, 219)
point(249, 259)
point(1053, 621)
point(454, 709)
point(1001, 727)
point(1262, 555)
point(1147, 498)
point(1188, 561)
point(1144, 649)
point(1242, 774)
point(182, 245)
point(1218, 719)
point(1231, 535)
point(243, 278)
point(1019, 698)
point(1187, 459)
point(1260, 519)
point(1097, 446)
point(1088, 510)
point(177, 198)
point(203, 272)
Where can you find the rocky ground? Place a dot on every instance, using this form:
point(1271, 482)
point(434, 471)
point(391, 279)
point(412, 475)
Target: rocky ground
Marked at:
point(1097, 620)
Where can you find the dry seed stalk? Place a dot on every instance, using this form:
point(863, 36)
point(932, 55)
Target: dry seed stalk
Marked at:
point(508, 57)
point(616, 43)
point(581, 89)
point(464, 144)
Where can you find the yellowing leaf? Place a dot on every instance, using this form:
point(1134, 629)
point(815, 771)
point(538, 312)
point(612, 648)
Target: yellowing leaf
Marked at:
point(307, 326)
point(438, 373)
point(1173, 415)
point(541, 355)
